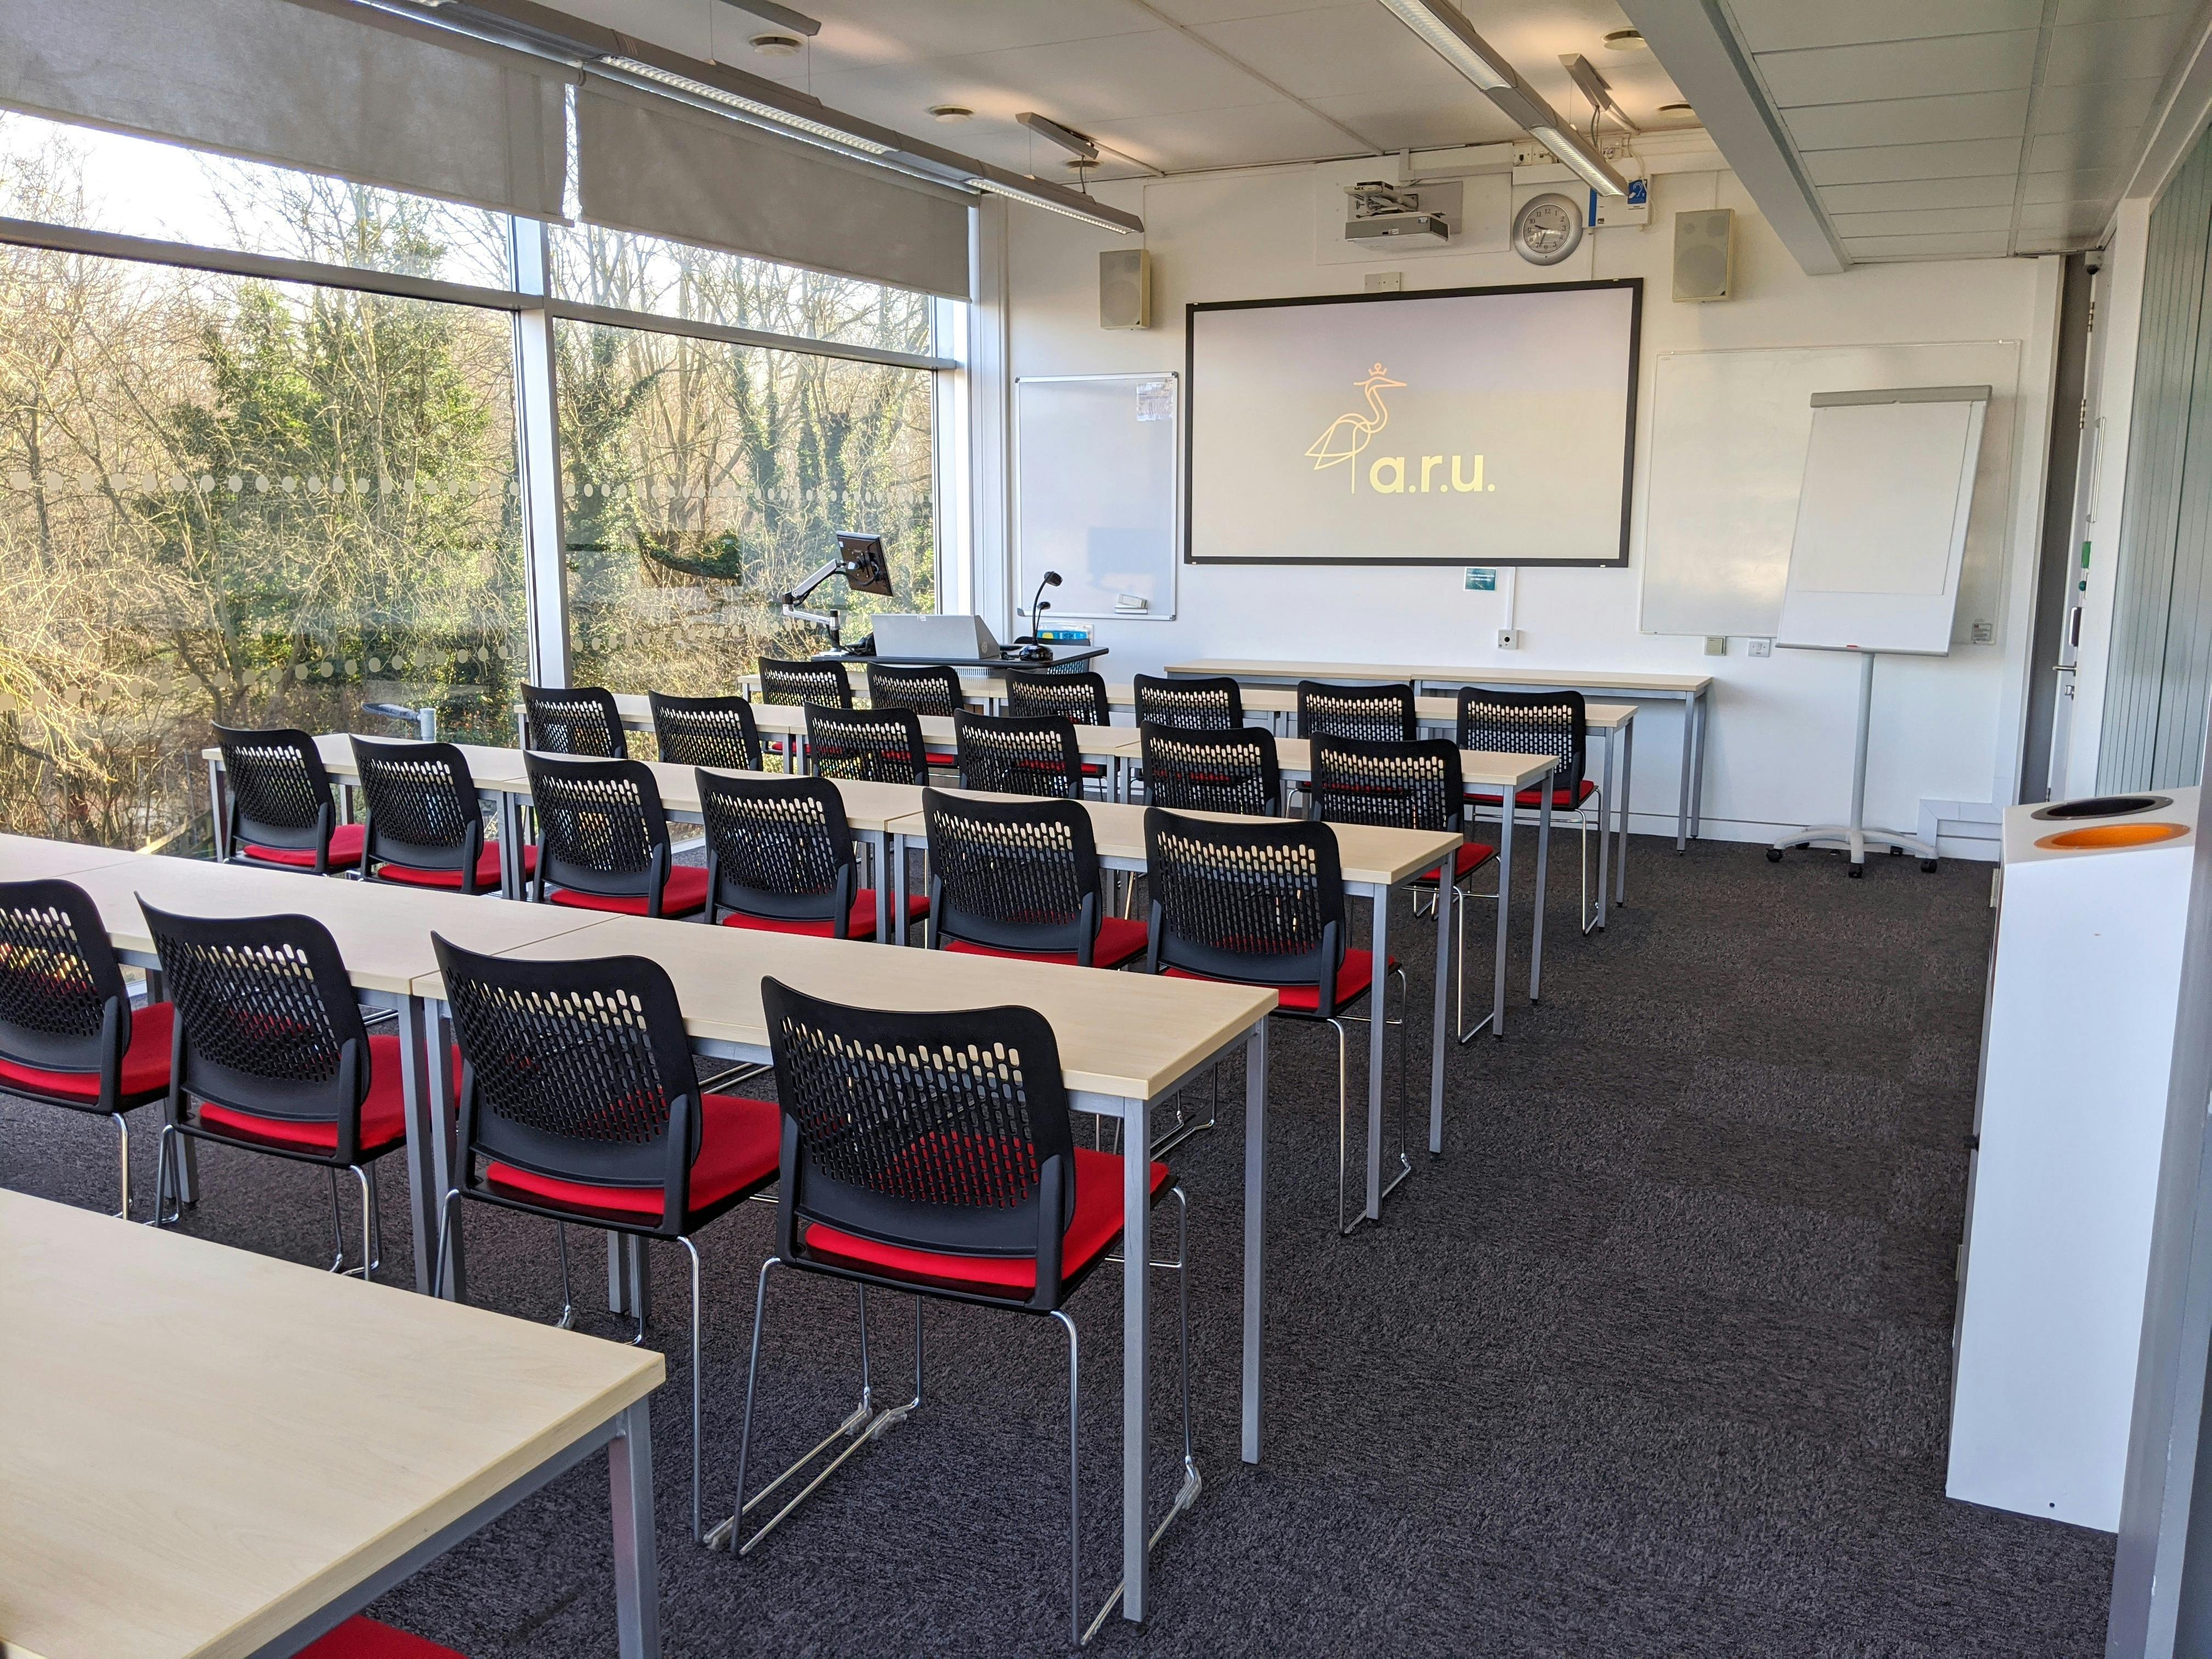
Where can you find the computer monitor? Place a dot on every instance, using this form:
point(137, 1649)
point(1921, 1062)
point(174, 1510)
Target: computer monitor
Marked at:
point(864, 568)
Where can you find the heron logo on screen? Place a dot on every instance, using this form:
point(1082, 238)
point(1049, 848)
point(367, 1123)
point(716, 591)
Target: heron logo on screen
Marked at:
point(1347, 438)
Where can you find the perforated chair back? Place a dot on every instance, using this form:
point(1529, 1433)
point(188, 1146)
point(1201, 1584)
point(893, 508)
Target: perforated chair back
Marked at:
point(280, 791)
point(1529, 723)
point(1198, 705)
point(266, 1018)
point(601, 828)
point(1200, 771)
point(423, 810)
point(1261, 903)
point(779, 847)
point(63, 1006)
point(575, 720)
point(1012, 875)
point(579, 1071)
point(794, 682)
point(1372, 714)
point(705, 731)
point(939, 1132)
point(1400, 786)
point(927, 689)
point(1018, 754)
point(1080, 697)
point(876, 745)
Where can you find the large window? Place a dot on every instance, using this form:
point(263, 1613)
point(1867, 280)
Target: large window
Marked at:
point(231, 497)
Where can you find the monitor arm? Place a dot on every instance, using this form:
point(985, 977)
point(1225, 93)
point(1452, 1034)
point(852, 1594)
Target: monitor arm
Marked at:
point(795, 602)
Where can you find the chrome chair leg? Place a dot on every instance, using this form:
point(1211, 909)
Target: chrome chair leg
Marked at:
point(438, 1258)
point(1075, 1630)
point(1343, 1127)
point(370, 1248)
point(163, 1182)
point(338, 1227)
point(1461, 897)
point(123, 1136)
point(567, 1322)
point(698, 1394)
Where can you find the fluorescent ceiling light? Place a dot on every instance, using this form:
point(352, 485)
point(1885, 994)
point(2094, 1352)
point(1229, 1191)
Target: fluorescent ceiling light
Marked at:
point(783, 16)
point(1065, 203)
point(1083, 149)
point(1595, 171)
point(1439, 23)
point(767, 114)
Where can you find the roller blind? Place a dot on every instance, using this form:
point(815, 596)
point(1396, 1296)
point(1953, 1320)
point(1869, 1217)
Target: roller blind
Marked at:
point(320, 85)
point(645, 164)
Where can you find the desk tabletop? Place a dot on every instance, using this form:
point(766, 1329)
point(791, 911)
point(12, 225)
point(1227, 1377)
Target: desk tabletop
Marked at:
point(489, 768)
point(868, 806)
point(203, 1446)
point(1370, 854)
point(1446, 674)
point(1295, 756)
point(383, 931)
point(1126, 1034)
point(31, 858)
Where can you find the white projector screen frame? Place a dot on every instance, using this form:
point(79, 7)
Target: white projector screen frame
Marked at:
point(1258, 373)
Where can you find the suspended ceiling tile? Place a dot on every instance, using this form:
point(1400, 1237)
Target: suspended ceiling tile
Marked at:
point(2063, 152)
point(2087, 185)
point(1225, 11)
point(1337, 52)
point(1908, 120)
point(1787, 25)
point(1944, 220)
point(860, 32)
point(1247, 137)
point(2096, 104)
point(1901, 69)
point(2093, 11)
point(1970, 244)
point(1991, 190)
point(1391, 123)
point(2135, 48)
point(1885, 163)
point(2065, 218)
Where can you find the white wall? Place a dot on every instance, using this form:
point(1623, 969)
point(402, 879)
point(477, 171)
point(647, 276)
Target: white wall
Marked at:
point(1945, 731)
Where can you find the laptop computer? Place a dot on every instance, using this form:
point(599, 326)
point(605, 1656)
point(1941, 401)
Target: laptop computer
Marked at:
point(952, 638)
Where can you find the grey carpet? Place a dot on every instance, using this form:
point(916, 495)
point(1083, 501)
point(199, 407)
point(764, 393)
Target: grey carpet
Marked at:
point(1654, 1362)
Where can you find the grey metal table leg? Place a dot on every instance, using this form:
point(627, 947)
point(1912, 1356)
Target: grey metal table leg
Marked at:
point(1446, 886)
point(1378, 1005)
point(1543, 889)
point(898, 870)
point(1697, 766)
point(1605, 800)
point(1255, 1228)
point(1136, 1352)
point(218, 819)
point(1689, 744)
point(1627, 776)
point(879, 841)
point(422, 1130)
point(637, 1564)
point(442, 1084)
point(1505, 913)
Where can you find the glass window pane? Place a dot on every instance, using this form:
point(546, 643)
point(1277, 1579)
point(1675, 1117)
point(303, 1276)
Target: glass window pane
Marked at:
point(97, 180)
point(674, 279)
point(702, 481)
point(230, 500)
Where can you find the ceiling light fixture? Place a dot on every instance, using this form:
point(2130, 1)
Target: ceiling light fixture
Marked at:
point(950, 115)
point(1676, 109)
point(1057, 198)
point(1453, 38)
point(767, 114)
point(777, 45)
point(1080, 145)
point(782, 16)
point(1627, 41)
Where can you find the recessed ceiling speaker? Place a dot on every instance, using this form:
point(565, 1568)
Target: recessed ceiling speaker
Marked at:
point(1125, 287)
point(1704, 254)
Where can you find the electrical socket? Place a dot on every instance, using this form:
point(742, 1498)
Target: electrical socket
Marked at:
point(1759, 648)
point(1984, 633)
point(1509, 638)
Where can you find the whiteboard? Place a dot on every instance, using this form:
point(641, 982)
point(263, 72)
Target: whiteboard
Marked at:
point(1881, 520)
point(1729, 436)
point(1098, 492)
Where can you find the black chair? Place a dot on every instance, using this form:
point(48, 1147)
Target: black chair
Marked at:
point(1021, 878)
point(875, 745)
point(931, 1155)
point(1407, 786)
point(1371, 713)
point(926, 689)
point(1537, 723)
point(270, 1055)
point(580, 1102)
point(705, 731)
point(424, 823)
point(1264, 904)
point(1197, 770)
point(603, 839)
point(795, 683)
point(575, 720)
point(282, 812)
point(68, 1036)
point(1192, 705)
point(1018, 754)
point(780, 860)
point(1080, 697)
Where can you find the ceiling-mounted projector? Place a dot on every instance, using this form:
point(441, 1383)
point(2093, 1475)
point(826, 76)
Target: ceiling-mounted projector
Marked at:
point(1381, 212)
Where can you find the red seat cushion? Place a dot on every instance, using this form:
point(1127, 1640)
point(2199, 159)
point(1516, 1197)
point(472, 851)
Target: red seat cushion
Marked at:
point(363, 1637)
point(1472, 855)
point(684, 891)
point(1353, 976)
point(487, 870)
point(345, 850)
point(860, 925)
point(1091, 1232)
point(1120, 940)
point(1560, 798)
point(739, 1143)
point(145, 1064)
point(383, 1114)
point(936, 759)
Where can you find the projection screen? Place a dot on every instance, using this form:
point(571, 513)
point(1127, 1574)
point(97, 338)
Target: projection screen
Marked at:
point(1490, 426)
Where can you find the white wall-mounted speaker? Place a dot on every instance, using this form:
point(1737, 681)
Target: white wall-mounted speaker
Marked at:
point(1704, 254)
point(1125, 287)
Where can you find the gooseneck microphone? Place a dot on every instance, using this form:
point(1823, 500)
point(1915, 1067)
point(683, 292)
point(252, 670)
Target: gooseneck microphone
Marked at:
point(1039, 605)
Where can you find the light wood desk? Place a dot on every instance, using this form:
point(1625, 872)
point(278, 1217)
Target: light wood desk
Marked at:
point(29, 857)
point(210, 1453)
point(1125, 1042)
point(1374, 861)
point(383, 933)
point(494, 770)
point(1693, 691)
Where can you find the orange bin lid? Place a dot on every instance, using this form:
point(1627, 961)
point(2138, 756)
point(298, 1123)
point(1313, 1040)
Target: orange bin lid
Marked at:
point(2104, 836)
